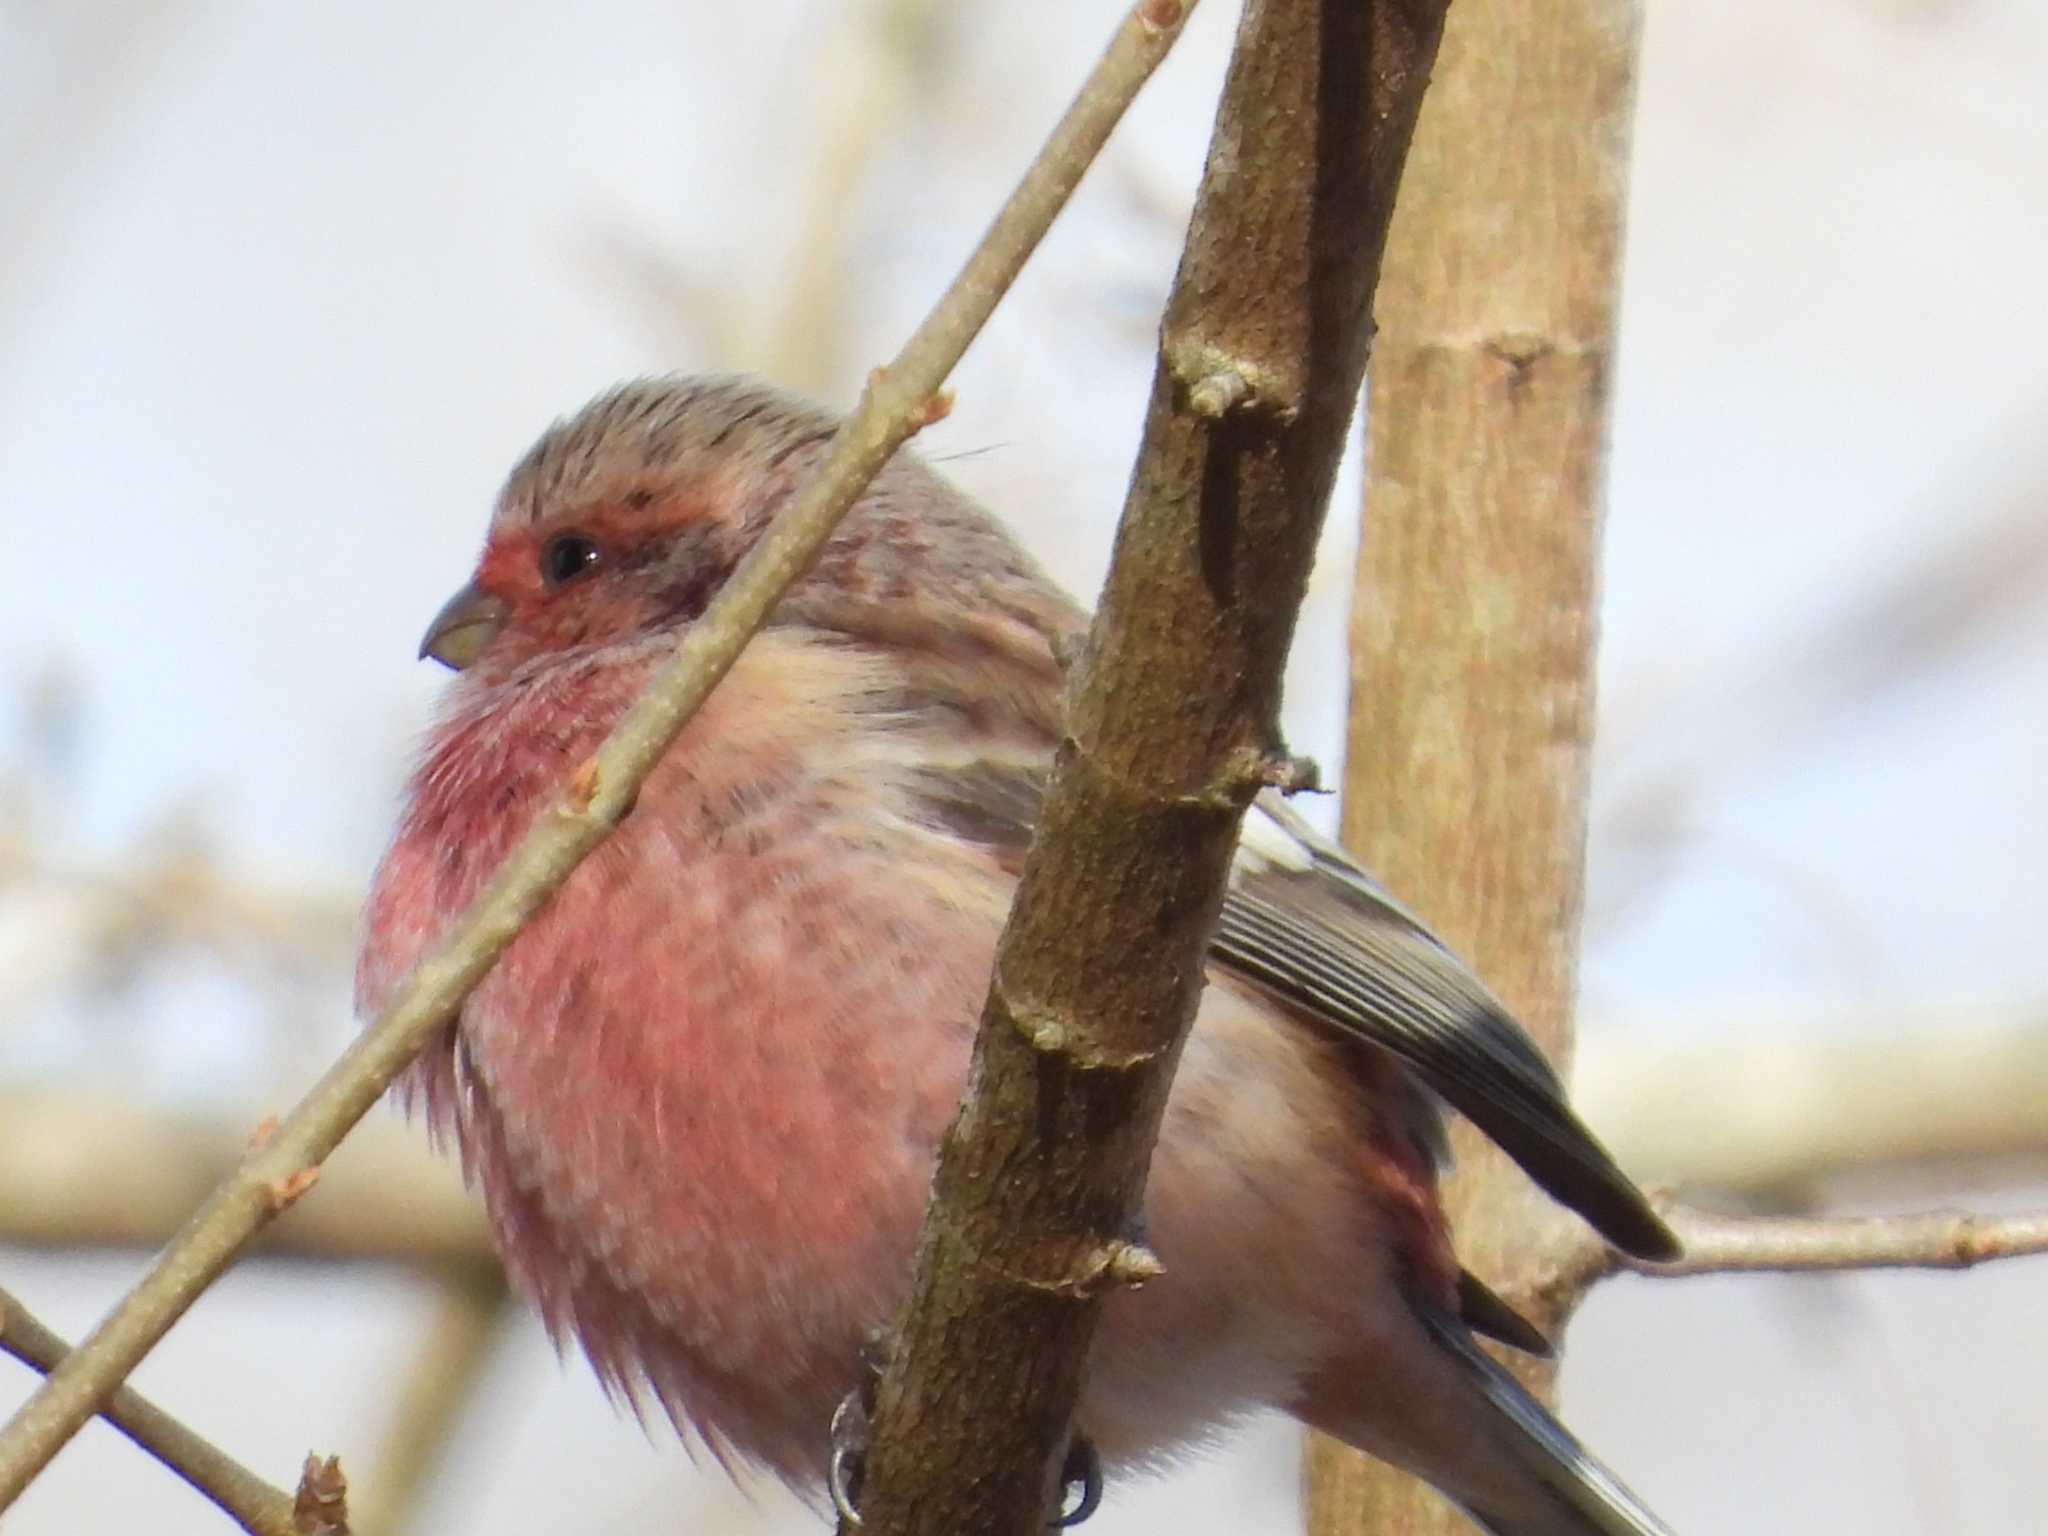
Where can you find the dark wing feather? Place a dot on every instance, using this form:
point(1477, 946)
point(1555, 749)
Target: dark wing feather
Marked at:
point(1481, 1310)
point(1311, 927)
point(1582, 1495)
point(1315, 929)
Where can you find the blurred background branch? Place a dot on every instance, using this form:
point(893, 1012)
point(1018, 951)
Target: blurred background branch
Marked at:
point(1765, 1102)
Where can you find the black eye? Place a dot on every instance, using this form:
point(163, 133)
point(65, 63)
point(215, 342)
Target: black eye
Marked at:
point(567, 556)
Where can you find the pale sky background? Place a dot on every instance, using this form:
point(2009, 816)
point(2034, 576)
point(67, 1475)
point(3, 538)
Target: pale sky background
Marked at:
point(285, 289)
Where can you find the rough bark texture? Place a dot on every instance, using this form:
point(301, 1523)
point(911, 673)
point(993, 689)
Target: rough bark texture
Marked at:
point(1472, 629)
point(1171, 730)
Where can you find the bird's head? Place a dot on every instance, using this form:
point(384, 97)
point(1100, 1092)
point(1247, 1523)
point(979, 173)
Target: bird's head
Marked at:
point(626, 519)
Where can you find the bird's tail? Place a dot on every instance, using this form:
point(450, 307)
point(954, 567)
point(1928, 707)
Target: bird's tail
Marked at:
point(1564, 1490)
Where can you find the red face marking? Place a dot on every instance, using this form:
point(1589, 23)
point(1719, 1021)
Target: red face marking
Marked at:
point(617, 595)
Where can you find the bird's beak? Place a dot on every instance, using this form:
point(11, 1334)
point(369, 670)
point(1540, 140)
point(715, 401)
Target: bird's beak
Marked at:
point(465, 625)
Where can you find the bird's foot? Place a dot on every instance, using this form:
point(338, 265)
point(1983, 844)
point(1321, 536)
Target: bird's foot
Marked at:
point(850, 1421)
point(850, 1450)
point(1080, 1480)
point(1080, 1473)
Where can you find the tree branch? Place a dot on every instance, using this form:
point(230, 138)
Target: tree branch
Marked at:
point(897, 401)
point(1472, 624)
point(1172, 727)
point(1730, 1245)
point(1561, 1278)
point(255, 1505)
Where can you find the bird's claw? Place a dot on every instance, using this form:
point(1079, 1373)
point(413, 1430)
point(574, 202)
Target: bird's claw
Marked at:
point(1080, 1473)
point(850, 1428)
point(1083, 1467)
point(849, 1452)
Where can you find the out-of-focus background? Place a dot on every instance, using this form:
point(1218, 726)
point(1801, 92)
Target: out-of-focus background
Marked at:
point(284, 290)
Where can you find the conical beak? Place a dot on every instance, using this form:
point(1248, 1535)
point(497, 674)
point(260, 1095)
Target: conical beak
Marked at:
point(465, 625)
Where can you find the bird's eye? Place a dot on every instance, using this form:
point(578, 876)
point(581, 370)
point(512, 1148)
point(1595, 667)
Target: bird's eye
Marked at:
point(566, 557)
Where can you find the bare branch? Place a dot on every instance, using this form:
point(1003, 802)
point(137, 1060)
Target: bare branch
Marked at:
point(256, 1506)
point(1730, 1245)
point(1171, 731)
point(897, 401)
point(1716, 1244)
point(1473, 620)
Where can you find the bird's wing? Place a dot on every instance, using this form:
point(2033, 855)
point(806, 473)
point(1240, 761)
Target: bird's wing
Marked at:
point(1314, 930)
point(1309, 925)
point(1571, 1492)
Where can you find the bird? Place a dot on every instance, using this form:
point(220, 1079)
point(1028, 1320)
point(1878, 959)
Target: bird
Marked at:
point(703, 1090)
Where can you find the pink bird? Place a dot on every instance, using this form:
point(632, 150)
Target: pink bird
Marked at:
point(703, 1091)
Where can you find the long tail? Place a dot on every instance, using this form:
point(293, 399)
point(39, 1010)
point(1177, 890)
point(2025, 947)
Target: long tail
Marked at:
point(1575, 1495)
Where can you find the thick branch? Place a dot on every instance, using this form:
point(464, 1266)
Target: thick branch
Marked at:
point(253, 1504)
point(1172, 729)
point(1472, 625)
point(898, 400)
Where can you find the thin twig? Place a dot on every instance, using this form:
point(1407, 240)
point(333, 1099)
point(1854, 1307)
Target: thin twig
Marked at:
point(897, 401)
point(1729, 1245)
point(255, 1505)
point(1716, 1244)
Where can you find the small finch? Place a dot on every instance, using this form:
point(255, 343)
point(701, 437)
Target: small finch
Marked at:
point(703, 1091)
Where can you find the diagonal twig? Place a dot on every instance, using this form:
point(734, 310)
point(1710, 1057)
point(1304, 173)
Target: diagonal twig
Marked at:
point(256, 1506)
point(897, 401)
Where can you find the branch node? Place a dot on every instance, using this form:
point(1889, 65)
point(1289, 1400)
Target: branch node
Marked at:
point(1252, 769)
point(1094, 1270)
point(1160, 15)
point(937, 406)
point(1218, 395)
point(320, 1507)
point(582, 786)
point(1521, 351)
point(1050, 1032)
point(1289, 774)
point(283, 1193)
point(1218, 384)
point(915, 412)
point(1132, 1264)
